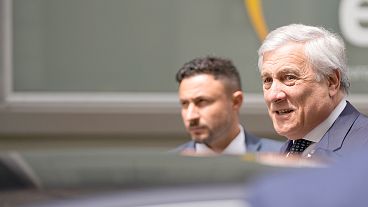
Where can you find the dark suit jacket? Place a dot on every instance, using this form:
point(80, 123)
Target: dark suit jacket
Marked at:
point(253, 144)
point(349, 131)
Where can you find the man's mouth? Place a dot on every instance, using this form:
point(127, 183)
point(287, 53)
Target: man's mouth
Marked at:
point(196, 128)
point(284, 111)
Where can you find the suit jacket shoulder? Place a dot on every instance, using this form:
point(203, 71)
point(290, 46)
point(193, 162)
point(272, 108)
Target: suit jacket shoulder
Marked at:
point(253, 144)
point(257, 144)
point(186, 146)
point(348, 133)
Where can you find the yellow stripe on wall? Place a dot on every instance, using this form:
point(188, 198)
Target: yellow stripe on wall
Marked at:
point(255, 12)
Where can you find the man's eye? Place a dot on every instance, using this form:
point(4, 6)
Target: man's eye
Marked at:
point(202, 102)
point(184, 104)
point(290, 77)
point(267, 80)
point(290, 80)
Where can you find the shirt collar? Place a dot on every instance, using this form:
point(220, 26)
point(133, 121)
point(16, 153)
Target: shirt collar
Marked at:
point(317, 133)
point(236, 147)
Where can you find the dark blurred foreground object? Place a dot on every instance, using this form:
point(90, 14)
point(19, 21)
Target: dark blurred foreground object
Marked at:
point(343, 184)
point(224, 195)
point(10, 179)
point(13, 174)
point(119, 168)
point(48, 177)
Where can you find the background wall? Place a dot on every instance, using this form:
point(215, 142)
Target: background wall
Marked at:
point(80, 73)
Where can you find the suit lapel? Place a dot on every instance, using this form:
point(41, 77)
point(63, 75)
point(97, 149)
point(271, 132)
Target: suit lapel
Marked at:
point(334, 138)
point(286, 146)
point(252, 143)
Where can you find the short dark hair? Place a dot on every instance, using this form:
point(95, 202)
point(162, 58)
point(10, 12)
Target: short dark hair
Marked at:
point(220, 68)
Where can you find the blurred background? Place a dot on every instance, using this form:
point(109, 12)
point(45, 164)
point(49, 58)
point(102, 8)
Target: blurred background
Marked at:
point(88, 98)
point(93, 73)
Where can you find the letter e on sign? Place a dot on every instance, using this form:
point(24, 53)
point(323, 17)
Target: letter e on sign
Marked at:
point(353, 16)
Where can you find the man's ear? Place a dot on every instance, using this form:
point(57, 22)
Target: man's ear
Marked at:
point(237, 99)
point(334, 82)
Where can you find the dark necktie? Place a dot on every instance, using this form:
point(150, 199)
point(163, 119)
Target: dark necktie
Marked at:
point(299, 146)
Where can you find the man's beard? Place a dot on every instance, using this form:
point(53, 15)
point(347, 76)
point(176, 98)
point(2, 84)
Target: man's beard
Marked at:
point(204, 140)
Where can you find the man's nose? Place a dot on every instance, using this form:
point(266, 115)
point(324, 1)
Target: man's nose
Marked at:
point(276, 92)
point(192, 112)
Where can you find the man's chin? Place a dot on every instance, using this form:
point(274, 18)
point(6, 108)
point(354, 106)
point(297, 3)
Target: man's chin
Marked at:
point(200, 139)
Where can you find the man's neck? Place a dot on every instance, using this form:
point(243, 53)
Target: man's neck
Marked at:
point(220, 145)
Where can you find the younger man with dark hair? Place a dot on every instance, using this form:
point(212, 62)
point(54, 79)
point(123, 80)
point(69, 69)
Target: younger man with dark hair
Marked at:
point(211, 97)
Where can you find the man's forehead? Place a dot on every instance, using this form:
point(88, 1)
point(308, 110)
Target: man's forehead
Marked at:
point(284, 63)
point(200, 87)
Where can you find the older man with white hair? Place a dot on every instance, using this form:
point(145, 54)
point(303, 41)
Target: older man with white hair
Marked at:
point(305, 84)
